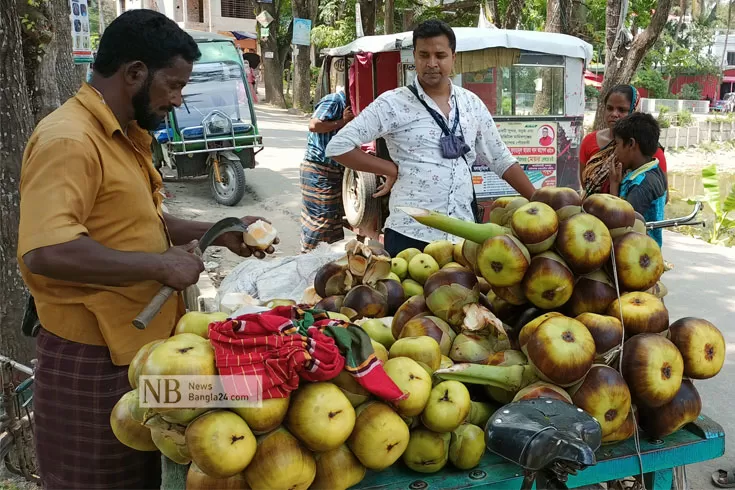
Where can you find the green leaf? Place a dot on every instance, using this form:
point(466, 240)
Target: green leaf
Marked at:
point(727, 224)
point(712, 188)
point(695, 199)
point(729, 204)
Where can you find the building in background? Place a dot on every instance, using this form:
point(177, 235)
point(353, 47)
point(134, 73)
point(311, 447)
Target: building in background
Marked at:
point(234, 18)
point(724, 50)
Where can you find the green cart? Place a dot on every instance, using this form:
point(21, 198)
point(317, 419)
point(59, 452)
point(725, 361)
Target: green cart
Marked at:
point(214, 132)
point(700, 441)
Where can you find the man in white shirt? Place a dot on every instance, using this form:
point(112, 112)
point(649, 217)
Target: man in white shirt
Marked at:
point(426, 174)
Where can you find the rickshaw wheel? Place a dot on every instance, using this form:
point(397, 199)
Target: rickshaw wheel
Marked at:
point(231, 190)
point(361, 209)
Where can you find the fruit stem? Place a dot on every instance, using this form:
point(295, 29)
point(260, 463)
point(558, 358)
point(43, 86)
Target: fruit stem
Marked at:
point(474, 232)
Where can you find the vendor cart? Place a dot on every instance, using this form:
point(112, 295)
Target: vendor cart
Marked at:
point(700, 441)
point(531, 82)
point(655, 461)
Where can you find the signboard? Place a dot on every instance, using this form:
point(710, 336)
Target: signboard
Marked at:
point(265, 32)
point(264, 18)
point(301, 32)
point(80, 39)
point(269, 54)
point(534, 144)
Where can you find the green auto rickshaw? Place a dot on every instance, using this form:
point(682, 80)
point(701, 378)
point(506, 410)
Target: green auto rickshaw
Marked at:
point(214, 132)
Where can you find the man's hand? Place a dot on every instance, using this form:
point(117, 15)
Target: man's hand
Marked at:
point(181, 267)
point(518, 180)
point(235, 243)
point(348, 115)
point(385, 187)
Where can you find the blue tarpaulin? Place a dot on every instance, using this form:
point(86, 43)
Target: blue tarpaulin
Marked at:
point(243, 35)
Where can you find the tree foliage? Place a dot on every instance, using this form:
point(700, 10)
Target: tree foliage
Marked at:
point(653, 81)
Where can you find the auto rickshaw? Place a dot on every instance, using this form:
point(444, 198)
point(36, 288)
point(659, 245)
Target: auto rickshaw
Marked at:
point(531, 82)
point(214, 132)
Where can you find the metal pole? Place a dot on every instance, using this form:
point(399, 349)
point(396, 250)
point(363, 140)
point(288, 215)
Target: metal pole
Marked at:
point(17, 366)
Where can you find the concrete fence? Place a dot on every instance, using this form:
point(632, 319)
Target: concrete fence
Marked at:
point(653, 106)
point(705, 132)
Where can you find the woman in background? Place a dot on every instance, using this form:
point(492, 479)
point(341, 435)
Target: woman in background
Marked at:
point(597, 152)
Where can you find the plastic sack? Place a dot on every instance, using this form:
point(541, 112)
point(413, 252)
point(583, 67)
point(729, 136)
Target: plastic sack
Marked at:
point(281, 278)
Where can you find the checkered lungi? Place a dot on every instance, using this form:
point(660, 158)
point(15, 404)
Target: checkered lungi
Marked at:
point(76, 386)
point(321, 204)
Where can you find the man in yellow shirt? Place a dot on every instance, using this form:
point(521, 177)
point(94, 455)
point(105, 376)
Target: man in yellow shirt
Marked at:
point(95, 247)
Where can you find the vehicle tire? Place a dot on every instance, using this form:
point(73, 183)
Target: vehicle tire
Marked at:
point(232, 188)
point(361, 208)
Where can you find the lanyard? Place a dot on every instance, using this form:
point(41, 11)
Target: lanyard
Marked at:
point(438, 117)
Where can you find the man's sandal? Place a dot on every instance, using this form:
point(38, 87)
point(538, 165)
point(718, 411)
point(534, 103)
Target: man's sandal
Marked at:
point(724, 479)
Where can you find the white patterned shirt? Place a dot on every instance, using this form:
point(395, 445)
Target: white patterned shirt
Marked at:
point(412, 136)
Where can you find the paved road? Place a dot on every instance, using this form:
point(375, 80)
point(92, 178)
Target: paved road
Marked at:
point(702, 282)
point(272, 187)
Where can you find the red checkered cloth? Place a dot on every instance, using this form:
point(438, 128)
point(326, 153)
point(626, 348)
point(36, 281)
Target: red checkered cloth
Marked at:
point(287, 343)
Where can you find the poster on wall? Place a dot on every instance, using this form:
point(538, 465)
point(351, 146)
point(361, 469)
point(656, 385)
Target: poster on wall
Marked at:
point(80, 38)
point(534, 144)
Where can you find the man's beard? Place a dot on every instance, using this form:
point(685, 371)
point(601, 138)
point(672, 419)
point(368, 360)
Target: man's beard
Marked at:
point(142, 112)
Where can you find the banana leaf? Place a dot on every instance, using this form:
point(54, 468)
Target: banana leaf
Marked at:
point(711, 194)
point(721, 208)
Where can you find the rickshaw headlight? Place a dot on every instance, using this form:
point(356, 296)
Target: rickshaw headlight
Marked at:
point(218, 125)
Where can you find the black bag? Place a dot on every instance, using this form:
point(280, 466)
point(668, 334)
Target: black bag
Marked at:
point(453, 146)
point(31, 324)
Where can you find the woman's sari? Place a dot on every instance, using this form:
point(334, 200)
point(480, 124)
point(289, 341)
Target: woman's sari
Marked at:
point(596, 173)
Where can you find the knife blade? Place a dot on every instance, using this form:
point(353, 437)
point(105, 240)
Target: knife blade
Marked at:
point(225, 225)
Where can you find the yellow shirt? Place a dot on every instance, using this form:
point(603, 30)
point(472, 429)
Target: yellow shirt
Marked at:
point(82, 175)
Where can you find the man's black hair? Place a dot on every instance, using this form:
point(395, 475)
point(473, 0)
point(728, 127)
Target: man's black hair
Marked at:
point(435, 28)
point(143, 35)
point(643, 128)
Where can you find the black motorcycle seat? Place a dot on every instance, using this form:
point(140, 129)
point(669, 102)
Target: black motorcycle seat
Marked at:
point(537, 433)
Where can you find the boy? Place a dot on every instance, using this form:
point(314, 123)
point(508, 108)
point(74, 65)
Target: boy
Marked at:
point(636, 175)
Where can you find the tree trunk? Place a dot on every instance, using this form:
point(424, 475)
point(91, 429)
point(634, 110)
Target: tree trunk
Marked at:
point(622, 57)
point(272, 64)
point(408, 20)
point(727, 35)
point(313, 6)
point(367, 12)
point(513, 14)
point(558, 18)
point(17, 125)
point(50, 73)
point(495, 12)
point(390, 16)
point(39, 57)
point(302, 64)
point(69, 77)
